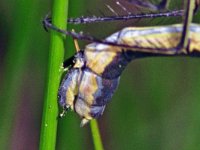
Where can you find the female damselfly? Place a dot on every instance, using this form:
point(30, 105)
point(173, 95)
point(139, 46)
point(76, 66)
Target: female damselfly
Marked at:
point(94, 72)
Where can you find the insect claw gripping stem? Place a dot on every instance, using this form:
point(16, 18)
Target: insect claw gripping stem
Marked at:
point(47, 18)
point(65, 69)
point(47, 24)
point(66, 65)
point(62, 69)
point(65, 109)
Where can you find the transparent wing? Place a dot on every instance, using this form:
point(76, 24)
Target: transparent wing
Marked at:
point(102, 8)
point(116, 8)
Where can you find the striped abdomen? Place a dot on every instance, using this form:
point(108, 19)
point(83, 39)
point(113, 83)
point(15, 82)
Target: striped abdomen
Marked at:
point(109, 61)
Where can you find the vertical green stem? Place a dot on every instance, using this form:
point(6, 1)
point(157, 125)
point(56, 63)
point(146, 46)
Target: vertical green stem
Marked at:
point(56, 56)
point(96, 135)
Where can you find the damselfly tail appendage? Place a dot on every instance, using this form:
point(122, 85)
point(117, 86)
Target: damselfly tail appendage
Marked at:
point(94, 76)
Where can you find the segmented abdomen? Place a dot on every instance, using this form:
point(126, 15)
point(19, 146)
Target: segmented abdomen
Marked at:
point(86, 92)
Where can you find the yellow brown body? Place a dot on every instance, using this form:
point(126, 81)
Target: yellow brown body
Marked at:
point(91, 82)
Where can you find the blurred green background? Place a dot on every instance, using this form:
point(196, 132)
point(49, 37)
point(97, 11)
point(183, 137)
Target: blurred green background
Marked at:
point(156, 106)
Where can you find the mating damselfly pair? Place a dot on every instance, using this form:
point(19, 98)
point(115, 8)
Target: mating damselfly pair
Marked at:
point(94, 72)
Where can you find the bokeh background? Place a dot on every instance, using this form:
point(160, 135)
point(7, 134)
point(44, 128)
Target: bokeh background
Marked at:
point(156, 106)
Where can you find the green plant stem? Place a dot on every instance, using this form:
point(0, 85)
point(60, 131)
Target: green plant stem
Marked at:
point(56, 56)
point(96, 135)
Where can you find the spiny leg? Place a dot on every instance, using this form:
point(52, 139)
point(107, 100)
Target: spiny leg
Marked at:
point(65, 109)
point(76, 43)
point(94, 19)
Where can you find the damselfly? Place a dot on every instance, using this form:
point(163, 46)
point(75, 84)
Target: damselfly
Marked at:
point(94, 72)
